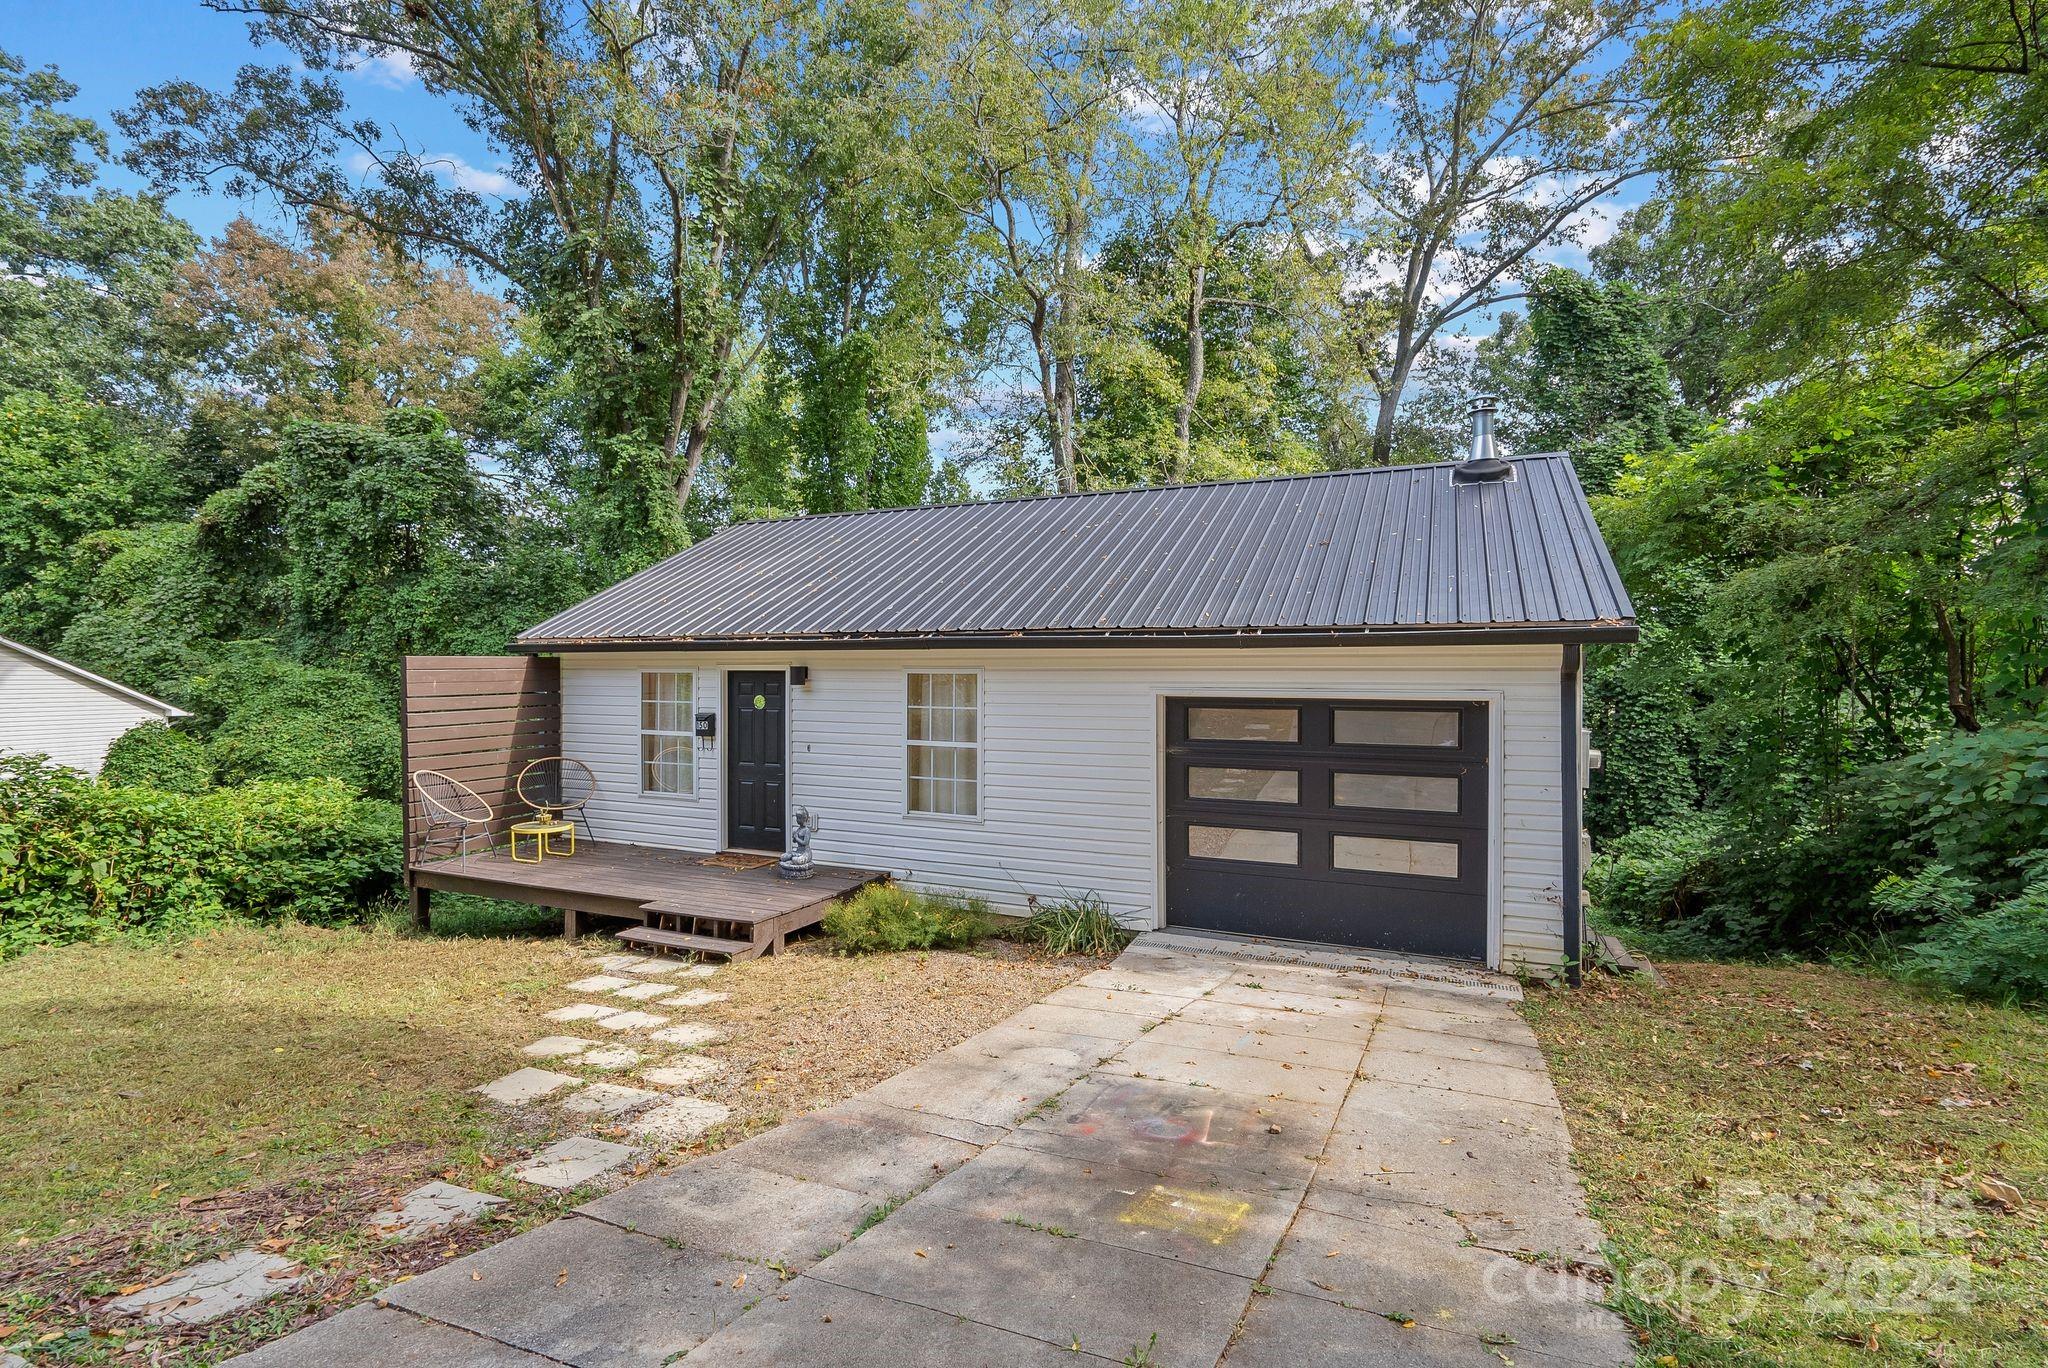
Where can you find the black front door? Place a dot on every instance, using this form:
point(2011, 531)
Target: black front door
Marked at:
point(1362, 823)
point(754, 761)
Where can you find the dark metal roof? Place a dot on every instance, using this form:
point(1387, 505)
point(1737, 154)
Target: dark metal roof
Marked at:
point(1388, 552)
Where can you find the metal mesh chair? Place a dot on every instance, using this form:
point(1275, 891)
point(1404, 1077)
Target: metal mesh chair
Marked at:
point(454, 811)
point(558, 785)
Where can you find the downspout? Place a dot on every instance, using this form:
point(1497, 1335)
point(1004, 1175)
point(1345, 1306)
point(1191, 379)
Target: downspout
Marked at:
point(1570, 726)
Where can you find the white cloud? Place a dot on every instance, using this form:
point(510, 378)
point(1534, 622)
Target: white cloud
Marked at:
point(393, 69)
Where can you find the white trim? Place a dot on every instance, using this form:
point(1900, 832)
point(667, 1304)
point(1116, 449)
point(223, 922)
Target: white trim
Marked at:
point(1496, 727)
point(77, 672)
point(641, 733)
point(979, 816)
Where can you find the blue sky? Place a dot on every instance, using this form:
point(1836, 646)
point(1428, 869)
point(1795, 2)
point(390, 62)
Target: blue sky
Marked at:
point(112, 48)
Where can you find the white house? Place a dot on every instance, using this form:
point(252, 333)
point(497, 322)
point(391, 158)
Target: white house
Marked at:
point(1339, 707)
point(73, 715)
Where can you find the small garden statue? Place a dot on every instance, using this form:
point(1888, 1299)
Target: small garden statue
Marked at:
point(799, 862)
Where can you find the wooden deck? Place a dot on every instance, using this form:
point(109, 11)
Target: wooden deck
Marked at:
point(675, 900)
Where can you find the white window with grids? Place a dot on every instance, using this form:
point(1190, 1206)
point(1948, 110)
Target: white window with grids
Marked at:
point(943, 744)
point(668, 743)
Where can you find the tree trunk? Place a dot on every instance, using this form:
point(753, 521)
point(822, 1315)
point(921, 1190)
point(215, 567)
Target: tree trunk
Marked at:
point(1191, 385)
point(1962, 682)
point(1390, 406)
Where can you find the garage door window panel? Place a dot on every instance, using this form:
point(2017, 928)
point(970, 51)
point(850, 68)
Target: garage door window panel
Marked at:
point(1408, 728)
point(1395, 855)
point(1224, 783)
point(1281, 726)
point(1255, 845)
point(1422, 793)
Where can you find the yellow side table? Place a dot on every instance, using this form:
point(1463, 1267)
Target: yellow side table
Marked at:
point(543, 832)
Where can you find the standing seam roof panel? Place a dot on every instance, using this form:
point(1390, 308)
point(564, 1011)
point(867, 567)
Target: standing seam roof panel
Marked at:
point(1387, 547)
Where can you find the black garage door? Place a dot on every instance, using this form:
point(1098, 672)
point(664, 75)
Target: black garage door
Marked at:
point(1360, 823)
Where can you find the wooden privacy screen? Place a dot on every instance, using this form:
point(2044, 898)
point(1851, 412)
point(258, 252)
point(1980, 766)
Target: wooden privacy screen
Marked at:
point(480, 719)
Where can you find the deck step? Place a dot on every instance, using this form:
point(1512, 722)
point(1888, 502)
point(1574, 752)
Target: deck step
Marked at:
point(682, 940)
point(725, 913)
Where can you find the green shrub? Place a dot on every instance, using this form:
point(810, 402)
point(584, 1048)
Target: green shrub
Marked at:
point(1075, 925)
point(81, 860)
point(269, 717)
point(890, 917)
point(1655, 875)
point(155, 755)
point(2002, 953)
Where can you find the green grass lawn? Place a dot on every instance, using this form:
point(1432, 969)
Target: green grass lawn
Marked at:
point(1805, 1165)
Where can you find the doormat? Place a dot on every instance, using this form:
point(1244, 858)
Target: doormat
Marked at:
point(732, 859)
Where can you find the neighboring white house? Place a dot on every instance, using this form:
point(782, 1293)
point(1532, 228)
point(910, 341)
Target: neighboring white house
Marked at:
point(70, 714)
point(1341, 707)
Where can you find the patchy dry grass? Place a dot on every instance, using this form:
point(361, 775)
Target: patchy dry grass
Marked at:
point(1807, 1165)
point(165, 1104)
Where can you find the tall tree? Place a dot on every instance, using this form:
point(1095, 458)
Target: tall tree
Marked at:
point(1033, 91)
point(1241, 118)
point(660, 156)
point(82, 267)
point(341, 329)
point(1504, 125)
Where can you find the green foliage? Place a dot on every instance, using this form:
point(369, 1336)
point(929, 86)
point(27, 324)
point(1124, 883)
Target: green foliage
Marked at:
point(1932, 893)
point(1075, 924)
point(270, 717)
point(2000, 953)
point(83, 267)
point(1977, 802)
point(890, 917)
point(85, 861)
point(161, 757)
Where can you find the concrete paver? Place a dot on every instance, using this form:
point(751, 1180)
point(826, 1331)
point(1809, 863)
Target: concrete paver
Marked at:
point(1109, 1301)
point(433, 1206)
point(598, 983)
point(388, 1338)
point(585, 1293)
point(1102, 1177)
point(811, 1322)
point(210, 1290)
point(640, 992)
point(610, 1057)
point(694, 997)
point(683, 1070)
point(572, 1162)
point(526, 1085)
point(610, 1099)
point(556, 1047)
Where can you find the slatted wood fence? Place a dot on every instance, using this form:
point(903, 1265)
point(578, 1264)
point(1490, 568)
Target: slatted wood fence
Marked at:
point(479, 719)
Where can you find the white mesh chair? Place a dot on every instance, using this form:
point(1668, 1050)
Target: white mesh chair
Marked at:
point(454, 811)
point(558, 786)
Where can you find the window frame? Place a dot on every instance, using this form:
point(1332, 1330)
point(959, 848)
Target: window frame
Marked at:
point(689, 733)
point(978, 746)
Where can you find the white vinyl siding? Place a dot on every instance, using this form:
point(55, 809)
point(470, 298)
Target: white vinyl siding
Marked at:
point(72, 720)
point(1071, 766)
point(667, 746)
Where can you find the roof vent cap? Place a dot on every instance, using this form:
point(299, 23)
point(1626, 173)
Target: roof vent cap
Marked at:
point(1481, 464)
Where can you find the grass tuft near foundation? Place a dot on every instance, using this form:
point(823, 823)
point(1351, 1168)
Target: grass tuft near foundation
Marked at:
point(1809, 1165)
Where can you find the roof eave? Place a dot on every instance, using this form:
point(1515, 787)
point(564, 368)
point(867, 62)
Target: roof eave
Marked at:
point(1463, 634)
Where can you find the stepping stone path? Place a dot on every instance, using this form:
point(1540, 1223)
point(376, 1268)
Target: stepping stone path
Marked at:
point(526, 1085)
point(598, 983)
point(555, 1047)
point(210, 1290)
point(567, 1163)
point(629, 1021)
point(684, 1119)
point(609, 1099)
point(433, 1207)
point(689, 1033)
point(655, 1118)
point(581, 1011)
point(681, 1073)
point(696, 997)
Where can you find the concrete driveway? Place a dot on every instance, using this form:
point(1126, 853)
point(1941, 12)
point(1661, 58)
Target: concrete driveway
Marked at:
point(1211, 1151)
